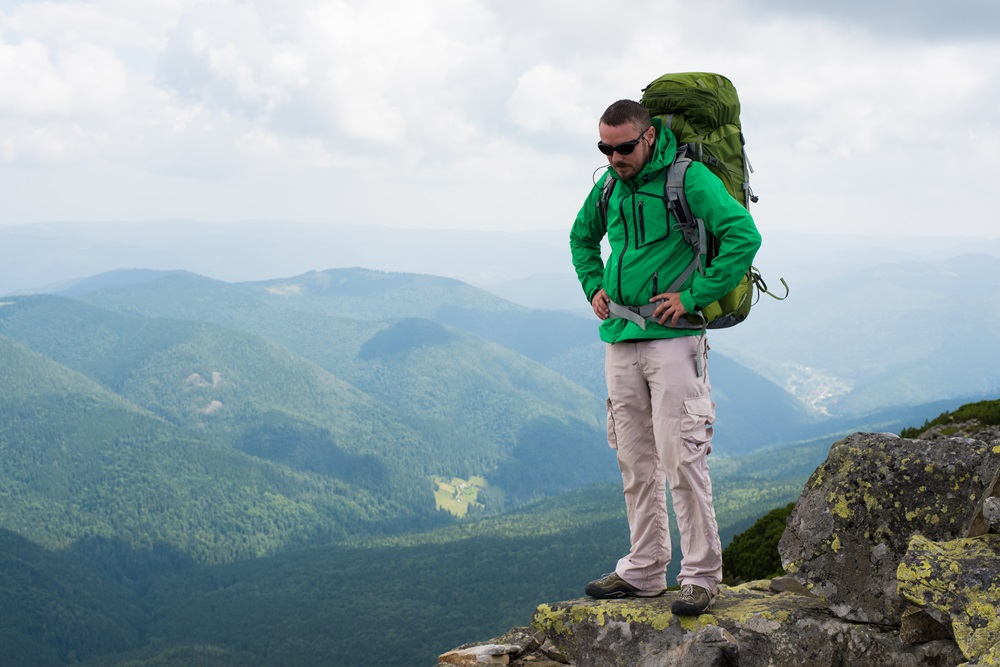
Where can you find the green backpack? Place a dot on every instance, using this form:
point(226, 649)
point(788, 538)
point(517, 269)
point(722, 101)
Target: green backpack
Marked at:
point(703, 112)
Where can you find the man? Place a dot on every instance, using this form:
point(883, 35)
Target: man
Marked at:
point(660, 411)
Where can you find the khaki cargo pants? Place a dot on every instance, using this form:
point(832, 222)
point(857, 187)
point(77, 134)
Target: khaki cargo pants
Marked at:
point(660, 416)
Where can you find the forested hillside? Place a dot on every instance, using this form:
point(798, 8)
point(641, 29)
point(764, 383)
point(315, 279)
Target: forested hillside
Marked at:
point(420, 400)
point(81, 463)
point(398, 600)
point(329, 316)
point(197, 472)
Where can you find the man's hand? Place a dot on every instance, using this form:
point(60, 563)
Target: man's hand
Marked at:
point(600, 304)
point(670, 308)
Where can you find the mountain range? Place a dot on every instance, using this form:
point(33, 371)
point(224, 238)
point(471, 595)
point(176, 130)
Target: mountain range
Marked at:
point(871, 322)
point(201, 470)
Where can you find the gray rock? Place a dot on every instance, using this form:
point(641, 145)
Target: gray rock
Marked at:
point(991, 513)
point(788, 584)
point(480, 654)
point(918, 627)
point(958, 583)
point(966, 429)
point(515, 647)
point(854, 519)
point(710, 647)
point(767, 630)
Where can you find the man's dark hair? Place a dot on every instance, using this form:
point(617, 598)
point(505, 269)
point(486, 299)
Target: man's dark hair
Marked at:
point(627, 111)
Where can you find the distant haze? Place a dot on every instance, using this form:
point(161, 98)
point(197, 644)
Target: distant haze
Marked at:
point(37, 257)
point(870, 322)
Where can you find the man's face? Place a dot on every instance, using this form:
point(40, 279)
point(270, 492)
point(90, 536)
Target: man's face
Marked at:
point(627, 166)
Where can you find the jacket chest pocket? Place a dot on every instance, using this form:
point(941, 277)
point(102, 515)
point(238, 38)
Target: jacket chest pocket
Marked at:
point(647, 218)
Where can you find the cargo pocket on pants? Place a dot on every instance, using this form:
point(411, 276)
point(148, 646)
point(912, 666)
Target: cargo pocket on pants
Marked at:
point(612, 438)
point(696, 427)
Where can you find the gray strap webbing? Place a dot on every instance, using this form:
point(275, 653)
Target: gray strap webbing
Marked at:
point(692, 228)
point(673, 190)
point(702, 352)
point(676, 285)
point(635, 314)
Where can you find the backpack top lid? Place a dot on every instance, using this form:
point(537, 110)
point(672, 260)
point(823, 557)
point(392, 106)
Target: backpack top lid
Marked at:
point(703, 112)
point(706, 100)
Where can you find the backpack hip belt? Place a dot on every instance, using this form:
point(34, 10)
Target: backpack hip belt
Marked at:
point(636, 314)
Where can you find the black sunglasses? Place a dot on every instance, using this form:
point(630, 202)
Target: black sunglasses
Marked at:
point(621, 149)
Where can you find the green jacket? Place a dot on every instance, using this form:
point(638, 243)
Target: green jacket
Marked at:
point(645, 242)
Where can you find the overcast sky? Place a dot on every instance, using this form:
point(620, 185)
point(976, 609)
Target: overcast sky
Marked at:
point(878, 117)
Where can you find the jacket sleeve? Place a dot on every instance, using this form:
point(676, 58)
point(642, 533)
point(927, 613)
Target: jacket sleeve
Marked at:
point(734, 228)
point(585, 245)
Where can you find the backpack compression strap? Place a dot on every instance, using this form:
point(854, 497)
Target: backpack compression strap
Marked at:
point(692, 228)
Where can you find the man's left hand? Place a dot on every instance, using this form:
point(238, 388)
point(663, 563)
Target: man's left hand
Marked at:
point(670, 308)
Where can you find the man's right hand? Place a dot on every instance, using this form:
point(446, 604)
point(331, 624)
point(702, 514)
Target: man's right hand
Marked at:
point(600, 304)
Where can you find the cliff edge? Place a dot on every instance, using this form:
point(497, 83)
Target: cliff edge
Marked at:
point(893, 555)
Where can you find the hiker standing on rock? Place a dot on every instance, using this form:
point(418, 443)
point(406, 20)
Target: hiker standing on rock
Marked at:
point(660, 411)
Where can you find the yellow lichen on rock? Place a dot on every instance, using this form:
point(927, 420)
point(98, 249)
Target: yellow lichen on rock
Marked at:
point(947, 579)
point(841, 508)
point(601, 612)
point(653, 617)
point(979, 636)
point(548, 619)
point(871, 502)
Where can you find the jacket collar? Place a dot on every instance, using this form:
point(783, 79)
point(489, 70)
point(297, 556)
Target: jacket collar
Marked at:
point(663, 154)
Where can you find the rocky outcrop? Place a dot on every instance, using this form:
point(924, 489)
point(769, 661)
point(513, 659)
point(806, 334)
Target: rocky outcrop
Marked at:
point(853, 522)
point(971, 429)
point(519, 646)
point(894, 561)
point(759, 628)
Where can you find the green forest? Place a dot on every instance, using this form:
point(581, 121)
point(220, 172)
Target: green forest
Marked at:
point(397, 601)
point(201, 473)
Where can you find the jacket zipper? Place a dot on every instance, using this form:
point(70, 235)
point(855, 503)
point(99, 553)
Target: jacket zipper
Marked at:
point(642, 225)
point(621, 256)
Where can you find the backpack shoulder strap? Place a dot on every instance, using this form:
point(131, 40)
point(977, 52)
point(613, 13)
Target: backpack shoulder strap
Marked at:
point(691, 228)
point(602, 203)
point(677, 202)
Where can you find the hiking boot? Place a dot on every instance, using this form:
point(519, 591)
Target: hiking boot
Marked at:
point(694, 600)
point(612, 586)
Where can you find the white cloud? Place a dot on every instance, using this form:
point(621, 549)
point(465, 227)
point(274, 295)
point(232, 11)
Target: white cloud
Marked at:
point(393, 72)
point(872, 93)
point(108, 23)
point(473, 106)
point(35, 146)
point(78, 79)
point(550, 99)
point(291, 152)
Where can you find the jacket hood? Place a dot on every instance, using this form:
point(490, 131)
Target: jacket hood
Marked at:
point(666, 145)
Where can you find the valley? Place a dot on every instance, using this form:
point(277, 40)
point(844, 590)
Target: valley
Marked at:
point(276, 471)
